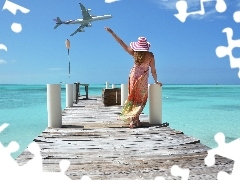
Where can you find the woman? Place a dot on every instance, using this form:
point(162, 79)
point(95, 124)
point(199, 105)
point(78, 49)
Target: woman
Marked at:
point(138, 78)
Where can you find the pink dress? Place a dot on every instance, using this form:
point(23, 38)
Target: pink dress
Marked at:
point(137, 92)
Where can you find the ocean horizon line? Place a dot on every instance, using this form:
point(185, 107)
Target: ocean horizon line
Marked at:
point(26, 84)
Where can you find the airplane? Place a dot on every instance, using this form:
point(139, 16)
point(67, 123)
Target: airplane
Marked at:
point(85, 22)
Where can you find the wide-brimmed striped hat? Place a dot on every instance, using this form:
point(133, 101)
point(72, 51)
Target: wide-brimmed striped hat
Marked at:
point(140, 45)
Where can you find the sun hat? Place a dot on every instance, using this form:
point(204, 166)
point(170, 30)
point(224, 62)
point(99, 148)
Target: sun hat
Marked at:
point(140, 45)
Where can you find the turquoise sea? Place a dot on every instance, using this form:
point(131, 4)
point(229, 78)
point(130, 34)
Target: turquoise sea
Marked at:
point(197, 110)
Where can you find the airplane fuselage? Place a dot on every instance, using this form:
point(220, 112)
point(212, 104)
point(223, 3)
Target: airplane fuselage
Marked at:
point(82, 21)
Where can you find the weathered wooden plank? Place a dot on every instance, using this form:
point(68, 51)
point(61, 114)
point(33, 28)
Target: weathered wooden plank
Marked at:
point(100, 146)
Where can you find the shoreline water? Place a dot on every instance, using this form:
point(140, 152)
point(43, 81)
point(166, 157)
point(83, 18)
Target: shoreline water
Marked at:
point(198, 110)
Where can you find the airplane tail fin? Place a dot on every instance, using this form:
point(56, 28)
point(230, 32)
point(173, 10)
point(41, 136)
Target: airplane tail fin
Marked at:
point(58, 22)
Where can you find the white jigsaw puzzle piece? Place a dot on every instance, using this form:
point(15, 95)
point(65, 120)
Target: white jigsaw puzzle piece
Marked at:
point(3, 47)
point(182, 7)
point(236, 16)
point(177, 171)
point(221, 6)
point(54, 175)
point(228, 150)
point(222, 51)
point(35, 164)
point(16, 27)
point(159, 178)
point(8, 166)
point(5, 125)
point(64, 165)
point(85, 177)
point(225, 176)
point(33, 169)
point(12, 7)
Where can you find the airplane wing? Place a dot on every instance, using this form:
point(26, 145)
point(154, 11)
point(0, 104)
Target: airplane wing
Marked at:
point(85, 14)
point(79, 29)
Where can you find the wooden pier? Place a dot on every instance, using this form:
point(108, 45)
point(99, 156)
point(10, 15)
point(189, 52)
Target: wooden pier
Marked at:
point(100, 146)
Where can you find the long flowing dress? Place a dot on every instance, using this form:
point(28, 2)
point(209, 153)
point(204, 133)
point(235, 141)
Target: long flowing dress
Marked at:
point(137, 92)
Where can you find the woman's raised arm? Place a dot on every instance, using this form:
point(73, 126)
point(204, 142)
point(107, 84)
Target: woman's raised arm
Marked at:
point(125, 47)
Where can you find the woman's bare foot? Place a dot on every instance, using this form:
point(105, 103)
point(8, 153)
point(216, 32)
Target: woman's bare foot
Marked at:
point(138, 123)
point(131, 125)
point(134, 123)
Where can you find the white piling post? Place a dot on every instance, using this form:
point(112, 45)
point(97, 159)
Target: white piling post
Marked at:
point(155, 104)
point(107, 85)
point(74, 92)
point(69, 95)
point(113, 86)
point(54, 105)
point(124, 93)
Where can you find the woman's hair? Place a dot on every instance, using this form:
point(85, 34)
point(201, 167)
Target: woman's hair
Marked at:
point(139, 57)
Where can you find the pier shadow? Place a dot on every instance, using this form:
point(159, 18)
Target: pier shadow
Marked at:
point(87, 99)
point(72, 126)
point(79, 106)
point(143, 125)
point(147, 125)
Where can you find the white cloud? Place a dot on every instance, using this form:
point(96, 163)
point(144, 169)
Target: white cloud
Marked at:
point(171, 4)
point(166, 4)
point(3, 61)
point(110, 1)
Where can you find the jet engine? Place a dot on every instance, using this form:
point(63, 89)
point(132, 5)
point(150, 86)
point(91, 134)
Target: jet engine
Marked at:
point(89, 25)
point(88, 10)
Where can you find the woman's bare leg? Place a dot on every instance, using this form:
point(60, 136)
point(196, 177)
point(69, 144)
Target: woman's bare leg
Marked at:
point(135, 122)
point(138, 123)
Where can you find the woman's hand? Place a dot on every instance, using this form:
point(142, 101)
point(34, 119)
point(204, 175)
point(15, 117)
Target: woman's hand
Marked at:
point(158, 83)
point(108, 29)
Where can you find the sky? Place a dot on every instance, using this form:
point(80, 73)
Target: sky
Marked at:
point(184, 51)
